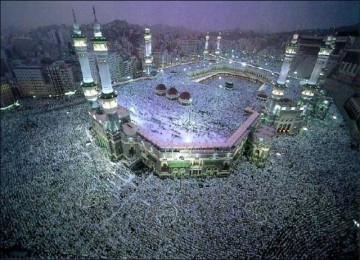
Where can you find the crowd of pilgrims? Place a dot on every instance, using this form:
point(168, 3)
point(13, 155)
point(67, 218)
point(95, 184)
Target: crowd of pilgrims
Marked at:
point(62, 197)
point(215, 112)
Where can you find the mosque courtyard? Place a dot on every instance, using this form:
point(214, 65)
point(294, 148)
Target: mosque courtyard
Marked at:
point(214, 114)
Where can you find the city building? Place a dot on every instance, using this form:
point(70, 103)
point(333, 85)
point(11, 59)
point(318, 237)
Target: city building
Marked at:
point(115, 60)
point(33, 81)
point(62, 78)
point(352, 107)
point(188, 47)
point(6, 95)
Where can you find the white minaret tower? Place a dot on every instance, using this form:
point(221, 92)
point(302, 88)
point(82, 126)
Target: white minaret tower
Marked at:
point(323, 56)
point(148, 56)
point(107, 96)
point(206, 51)
point(217, 51)
point(88, 85)
point(290, 52)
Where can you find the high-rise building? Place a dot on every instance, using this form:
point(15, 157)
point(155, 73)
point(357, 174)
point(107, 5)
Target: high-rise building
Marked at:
point(61, 77)
point(33, 82)
point(6, 96)
point(114, 60)
point(134, 64)
point(157, 58)
point(187, 46)
point(127, 69)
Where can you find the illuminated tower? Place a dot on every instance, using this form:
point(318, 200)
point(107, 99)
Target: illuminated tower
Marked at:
point(290, 52)
point(277, 94)
point(217, 51)
point(107, 96)
point(308, 94)
point(87, 84)
point(308, 91)
point(323, 56)
point(148, 56)
point(206, 51)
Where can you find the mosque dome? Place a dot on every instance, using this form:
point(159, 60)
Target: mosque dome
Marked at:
point(185, 98)
point(172, 93)
point(160, 89)
point(185, 95)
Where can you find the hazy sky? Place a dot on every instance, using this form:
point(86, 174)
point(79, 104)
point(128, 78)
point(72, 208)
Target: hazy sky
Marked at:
point(199, 15)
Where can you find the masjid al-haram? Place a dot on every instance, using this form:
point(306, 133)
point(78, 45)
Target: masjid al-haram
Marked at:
point(212, 158)
point(77, 203)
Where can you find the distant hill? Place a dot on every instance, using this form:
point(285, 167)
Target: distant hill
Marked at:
point(161, 28)
point(343, 30)
point(122, 27)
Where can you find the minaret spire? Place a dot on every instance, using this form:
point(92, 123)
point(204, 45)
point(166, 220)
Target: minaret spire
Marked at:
point(94, 13)
point(73, 15)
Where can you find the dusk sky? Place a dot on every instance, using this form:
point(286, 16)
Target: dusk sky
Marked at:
point(265, 16)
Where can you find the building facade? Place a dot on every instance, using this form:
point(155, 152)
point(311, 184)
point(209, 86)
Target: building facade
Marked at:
point(6, 96)
point(33, 81)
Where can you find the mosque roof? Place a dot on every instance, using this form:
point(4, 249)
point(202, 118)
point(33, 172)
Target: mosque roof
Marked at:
point(172, 91)
point(185, 95)
point(160, 87)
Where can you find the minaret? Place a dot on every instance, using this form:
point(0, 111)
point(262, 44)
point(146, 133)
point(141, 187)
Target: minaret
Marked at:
point(277, 93)
point(107, 96)
point(323, 56)
point(206, 51)
point(88, 85)
point(148, 56)
point(308, 94)
point(290, 52)
point(279, 88)
point(217, 51)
